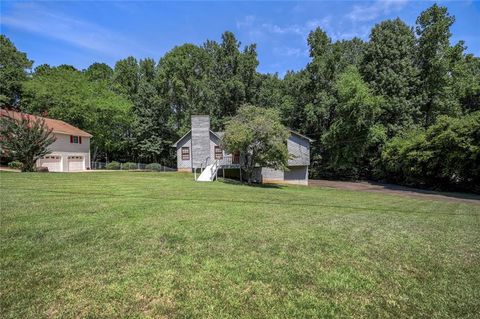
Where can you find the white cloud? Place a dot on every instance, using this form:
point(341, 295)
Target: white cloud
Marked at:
point(288, 51)
point(247, 21)
point(302, 30)
point(376, 9)
point(34, 18)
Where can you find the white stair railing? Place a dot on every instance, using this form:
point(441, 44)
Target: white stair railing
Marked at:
point(210, 172)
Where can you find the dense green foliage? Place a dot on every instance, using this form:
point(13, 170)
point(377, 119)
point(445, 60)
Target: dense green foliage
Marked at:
point(159, 245)
point(153, 167)
point(13, 65)
point(129, 166)
point(447, 153)
point(66, 93)
point(15, 164)
point(259, 135)
point(24, 139)
point(114, 165)
point(353, 98)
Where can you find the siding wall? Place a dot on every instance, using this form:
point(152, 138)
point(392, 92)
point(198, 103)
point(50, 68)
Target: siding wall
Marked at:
point(184, 164)
point(64, 148)
point(296, 175)
point(270, 175)
point(202, 143)
point(214, 141)
point(299, 149)
point(200, 139)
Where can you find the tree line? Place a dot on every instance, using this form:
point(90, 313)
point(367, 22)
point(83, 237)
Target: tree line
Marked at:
point(403, 106)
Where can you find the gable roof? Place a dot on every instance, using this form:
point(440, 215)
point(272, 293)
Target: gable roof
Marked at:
point(56, 126)
point(221, 134)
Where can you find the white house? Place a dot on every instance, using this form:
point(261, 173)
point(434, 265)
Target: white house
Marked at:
point(71, 150)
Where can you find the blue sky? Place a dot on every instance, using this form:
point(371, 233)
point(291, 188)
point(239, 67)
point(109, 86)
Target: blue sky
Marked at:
point(82, 32)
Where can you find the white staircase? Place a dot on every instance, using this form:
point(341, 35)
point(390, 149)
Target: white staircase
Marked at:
point(209, 173)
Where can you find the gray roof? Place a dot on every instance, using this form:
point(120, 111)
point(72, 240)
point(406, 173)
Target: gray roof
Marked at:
point(219, 134)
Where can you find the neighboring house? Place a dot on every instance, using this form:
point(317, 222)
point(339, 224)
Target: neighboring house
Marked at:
point(71, 150)
point(201, 146)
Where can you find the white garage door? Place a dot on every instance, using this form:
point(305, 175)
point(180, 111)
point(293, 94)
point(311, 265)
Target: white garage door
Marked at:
point(75, 163)
point(53, 163)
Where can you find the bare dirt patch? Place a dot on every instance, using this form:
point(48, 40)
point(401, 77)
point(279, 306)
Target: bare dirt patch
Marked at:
point(374, 187)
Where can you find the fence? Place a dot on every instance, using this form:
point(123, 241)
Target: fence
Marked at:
point(131, 166)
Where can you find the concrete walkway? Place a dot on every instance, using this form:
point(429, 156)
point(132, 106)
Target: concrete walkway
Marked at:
point(374, 187)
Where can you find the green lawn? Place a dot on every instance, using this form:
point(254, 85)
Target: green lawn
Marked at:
point(143, 245)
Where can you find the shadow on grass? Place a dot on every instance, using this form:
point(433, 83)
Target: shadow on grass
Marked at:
point(426, 191)
point(73, 194)
point(237, 182)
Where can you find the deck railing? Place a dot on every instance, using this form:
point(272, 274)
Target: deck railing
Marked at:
point(229, 161)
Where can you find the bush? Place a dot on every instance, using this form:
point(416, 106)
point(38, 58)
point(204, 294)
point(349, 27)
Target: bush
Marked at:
point(113, 165)
point(154, 167)
point(15, 165)
point(129, 166)
point(446, 155)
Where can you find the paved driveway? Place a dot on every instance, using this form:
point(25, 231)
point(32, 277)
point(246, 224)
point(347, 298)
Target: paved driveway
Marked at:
point(374, 187)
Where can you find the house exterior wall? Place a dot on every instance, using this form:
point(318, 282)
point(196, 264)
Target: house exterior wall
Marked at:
point(214, 141)
point(296, 175)
point(200, 139)
point(63, 148)
point(299, 149)
point(184, 165)
point(202, 142)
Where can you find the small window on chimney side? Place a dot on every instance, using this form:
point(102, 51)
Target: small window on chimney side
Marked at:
point(185, 153)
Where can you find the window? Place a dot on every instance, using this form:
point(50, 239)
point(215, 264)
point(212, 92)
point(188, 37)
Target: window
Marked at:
point(185, 153)
point(218, 152)
point(75, 139)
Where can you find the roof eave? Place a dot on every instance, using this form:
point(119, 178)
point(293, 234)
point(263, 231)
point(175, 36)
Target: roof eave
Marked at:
point(301, 135)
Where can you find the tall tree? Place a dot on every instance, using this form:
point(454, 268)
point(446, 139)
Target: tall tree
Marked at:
point(153, 132)
point(125, 77)
point(347, 140)
point(232, 76)
point(437, 95)
point(389, 68)
point(259, 136)
point(67, 94)
point(13, 66)
point(181, 80)
point(99, 72)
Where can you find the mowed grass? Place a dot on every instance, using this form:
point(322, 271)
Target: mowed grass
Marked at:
point(159, 245)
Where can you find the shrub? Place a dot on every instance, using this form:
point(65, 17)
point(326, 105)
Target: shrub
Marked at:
point(113, 165)
point(154, 167)
point(42, 169)
point(129, 166)
point(446, 154)
point(15, 165)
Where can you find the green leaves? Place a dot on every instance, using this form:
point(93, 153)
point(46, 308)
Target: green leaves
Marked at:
point(346, 141)
point(70, 95)
point(259, 136)
point(13, 66)
point(24, 139)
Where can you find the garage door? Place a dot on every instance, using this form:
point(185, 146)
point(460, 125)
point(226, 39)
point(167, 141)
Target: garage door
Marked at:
point(53, 163)
point(75, 163)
